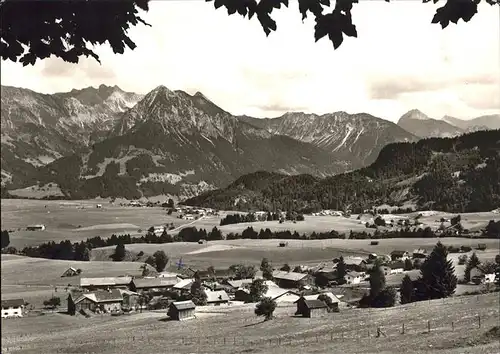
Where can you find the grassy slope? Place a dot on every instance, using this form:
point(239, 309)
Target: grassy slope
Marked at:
point(352, 331)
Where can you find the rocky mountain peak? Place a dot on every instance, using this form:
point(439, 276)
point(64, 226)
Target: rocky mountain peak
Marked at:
point(414, 114)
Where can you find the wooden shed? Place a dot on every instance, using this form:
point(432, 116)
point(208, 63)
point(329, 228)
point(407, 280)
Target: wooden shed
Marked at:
point(182, 310)
point(311, 308)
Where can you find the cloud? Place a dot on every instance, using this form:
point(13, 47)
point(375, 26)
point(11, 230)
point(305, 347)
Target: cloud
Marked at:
point(87, 68)
point(393, 87)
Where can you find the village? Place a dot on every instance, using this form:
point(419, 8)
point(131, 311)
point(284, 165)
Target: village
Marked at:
point(313, 290)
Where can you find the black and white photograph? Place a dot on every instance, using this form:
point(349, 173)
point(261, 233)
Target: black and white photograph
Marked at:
point(250, 176)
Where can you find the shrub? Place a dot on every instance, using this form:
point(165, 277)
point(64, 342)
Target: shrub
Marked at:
point(266, 308)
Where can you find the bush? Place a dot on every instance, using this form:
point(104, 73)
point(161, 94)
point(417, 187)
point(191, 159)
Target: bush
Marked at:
point(462, 259)
point(266, 308)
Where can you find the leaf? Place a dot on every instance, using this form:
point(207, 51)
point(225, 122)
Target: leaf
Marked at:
point(313, 6)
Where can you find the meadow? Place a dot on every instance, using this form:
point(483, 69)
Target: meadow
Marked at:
point(454, 328)
point(67, 220)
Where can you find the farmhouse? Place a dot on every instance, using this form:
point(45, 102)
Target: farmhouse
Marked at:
point(356, 264)
point(35, 227)
point(13, 308)
point(216, 298)
point(353, 277)
point(276, 293)
point(398, 255)
point(70, 272)
point(290, 280)
point(97, 301)
point(105, 283)
point(184, 285)
point(158, 230)
point(311, 308)
point(182, 310)
point(477, 276)
point(419, 253)
point(142, 284)
point(240, 283)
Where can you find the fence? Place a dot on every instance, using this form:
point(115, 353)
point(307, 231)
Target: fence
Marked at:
point(386, 332)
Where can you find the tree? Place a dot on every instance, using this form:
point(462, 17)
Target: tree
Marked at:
point(199, 296)
point(171, 203)
point(53, 302)
point(341, 268)
point(242, 271)
point(5, 239)
point(119, 254)
point(257, 289)
point(60, 28)
point(462, 259)
point(472, 263)
point(377, 280)
point(437, 275)
point(265, 308)
point(215, 234)
point(145, 270)
point(151, 261)
point(161, 260)
point(407, 291)
point(488, 267)
point(385, 298)
point(267, 269)
point(408, 264)
point(327, 300)
point(285, 268)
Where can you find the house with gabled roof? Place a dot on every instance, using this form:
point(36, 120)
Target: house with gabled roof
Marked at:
point(399, 255)
point(13, 308)
point(70, 272)
point(216, 298)
point(292, 280)
point(99, 301)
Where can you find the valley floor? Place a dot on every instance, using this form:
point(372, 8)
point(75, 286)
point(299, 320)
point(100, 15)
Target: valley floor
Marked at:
point(454, 328)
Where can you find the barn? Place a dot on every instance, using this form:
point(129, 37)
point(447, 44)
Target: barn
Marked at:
point(290, 280)
point(105, 283)
point(217, 298)
point(155, 284)
point(311, 308)
point(182, 310)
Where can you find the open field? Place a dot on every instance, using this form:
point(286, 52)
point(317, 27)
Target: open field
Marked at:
point(35, 279)
point(64, 220)
point(454, 328)
point(224, 253)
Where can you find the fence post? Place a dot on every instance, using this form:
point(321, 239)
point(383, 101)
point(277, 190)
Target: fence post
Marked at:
point(403, 329)
point(479, 320)
point(429, 326)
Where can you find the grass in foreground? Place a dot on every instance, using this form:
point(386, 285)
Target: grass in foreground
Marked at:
point(454, 327)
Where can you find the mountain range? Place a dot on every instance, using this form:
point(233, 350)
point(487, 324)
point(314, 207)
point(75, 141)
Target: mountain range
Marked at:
point(422, 126)
point(456, 175)
point(107, 142)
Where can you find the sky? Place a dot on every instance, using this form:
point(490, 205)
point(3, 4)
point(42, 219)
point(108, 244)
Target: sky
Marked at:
point(400, 61)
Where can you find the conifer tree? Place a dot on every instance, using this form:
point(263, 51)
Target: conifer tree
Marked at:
point(438, 279)
point(406, 290)
point(341, 268)
point(267, 269)
point(471, 263)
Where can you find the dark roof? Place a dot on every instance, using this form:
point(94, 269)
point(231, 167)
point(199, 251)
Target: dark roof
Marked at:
point(183, 305)
point(398, 253)
point(154, 282)
point(315, 304)
point(12, 303)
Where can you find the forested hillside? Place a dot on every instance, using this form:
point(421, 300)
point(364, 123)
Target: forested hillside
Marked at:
point(459, 174)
